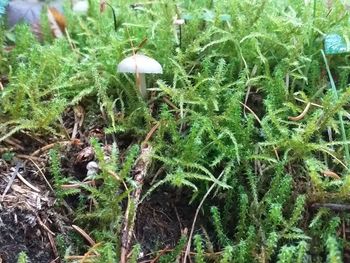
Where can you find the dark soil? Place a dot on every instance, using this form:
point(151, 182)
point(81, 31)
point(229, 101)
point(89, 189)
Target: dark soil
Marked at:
point(162, 218)
point(27, 217)
point(17, 235)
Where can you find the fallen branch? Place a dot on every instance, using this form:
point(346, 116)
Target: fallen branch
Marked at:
point(140, 171)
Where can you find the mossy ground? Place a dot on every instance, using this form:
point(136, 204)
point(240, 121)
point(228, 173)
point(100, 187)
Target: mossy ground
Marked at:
point(249, 120)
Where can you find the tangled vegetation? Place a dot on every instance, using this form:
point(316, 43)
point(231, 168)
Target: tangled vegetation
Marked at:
point(249, 115)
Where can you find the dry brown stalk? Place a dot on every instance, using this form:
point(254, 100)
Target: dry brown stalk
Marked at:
point(45, 227)
point(53, 244)
point(52, 145)
point(302, 115)
point(140, 171)
point(85, 235)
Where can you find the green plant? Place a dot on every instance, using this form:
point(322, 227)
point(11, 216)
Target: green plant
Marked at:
point(199, 258)
point(176, 253)
point(22, 257)
point(249, 96)
point(59, 179)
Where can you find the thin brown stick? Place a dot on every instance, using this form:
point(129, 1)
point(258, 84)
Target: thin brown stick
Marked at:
point(177, 216)
point(78, 120)
point(255, 68)
point(91, 250)
point(42, 224)
point(53, 244)
point(313, 104)
point(27, 183)
point(52, 145)
point(115, 175)
point(3, 150)
point(259, 121)
point(76, 186)
point(141, 45)
point(41, 173)
point(159, 255)
point(252, 112)
point(167, 101)
point(150, 133)
point(331, 174)
point(14, 144)
point(35, 138)
point(85, 235)
point(55, 260)
point(71, 43)
point(28, 157)
point(301, 115)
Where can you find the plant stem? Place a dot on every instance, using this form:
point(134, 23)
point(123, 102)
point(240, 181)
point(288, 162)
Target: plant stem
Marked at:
point(342, 127)
point(142, 85)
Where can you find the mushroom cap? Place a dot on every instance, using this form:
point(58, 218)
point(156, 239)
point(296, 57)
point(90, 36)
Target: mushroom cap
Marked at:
point(81, 7)
point(139, 64)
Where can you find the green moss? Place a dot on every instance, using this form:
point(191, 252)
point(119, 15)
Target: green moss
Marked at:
point(274, 165)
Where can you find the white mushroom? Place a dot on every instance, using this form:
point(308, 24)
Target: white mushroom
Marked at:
point(81, 7)
point(140, 65)
point(92, 168)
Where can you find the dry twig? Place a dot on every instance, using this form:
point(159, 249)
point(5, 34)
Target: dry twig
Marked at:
point(13, 177)
point(301, 115)
point(85, 235)
point(13, 143)
point(140, 171)
point(42, 224)
point(53, 244)
point(35, 189)
point(41, 173)
point(52, 145)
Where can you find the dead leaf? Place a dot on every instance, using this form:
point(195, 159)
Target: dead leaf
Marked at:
point(19, 11)
point(331, 174)
point(85, 155)
point(57, 22)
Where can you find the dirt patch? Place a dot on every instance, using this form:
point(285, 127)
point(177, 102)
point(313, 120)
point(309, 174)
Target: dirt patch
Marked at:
point(28, 220)
point(19, 232)
point(162, 218)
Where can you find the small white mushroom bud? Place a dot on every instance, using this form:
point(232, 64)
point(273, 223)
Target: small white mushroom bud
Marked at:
point(92, 168)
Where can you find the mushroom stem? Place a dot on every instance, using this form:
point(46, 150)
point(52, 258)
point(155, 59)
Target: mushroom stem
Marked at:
point(142, 85)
